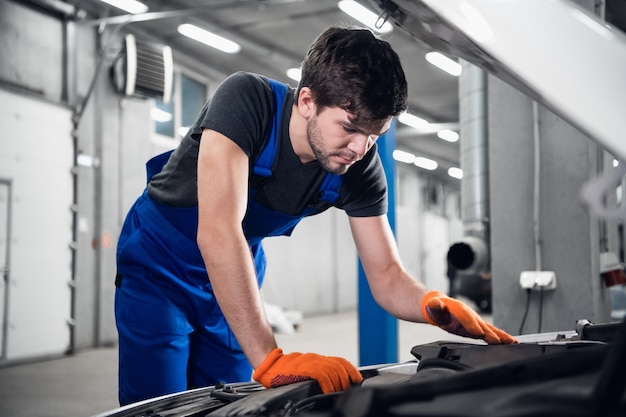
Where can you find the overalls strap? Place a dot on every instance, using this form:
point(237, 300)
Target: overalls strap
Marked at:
point(263, 164)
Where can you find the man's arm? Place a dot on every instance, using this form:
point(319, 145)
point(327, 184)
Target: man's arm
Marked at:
point(392, 287)
point(222, 202)
point(405, 297)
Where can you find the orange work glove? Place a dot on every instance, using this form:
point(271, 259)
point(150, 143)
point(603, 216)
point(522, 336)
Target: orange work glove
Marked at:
point(456, 317)
point(332, 373)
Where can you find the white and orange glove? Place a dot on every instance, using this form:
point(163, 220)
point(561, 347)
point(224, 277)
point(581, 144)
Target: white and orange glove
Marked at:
point(332, 373)
point(456, 317)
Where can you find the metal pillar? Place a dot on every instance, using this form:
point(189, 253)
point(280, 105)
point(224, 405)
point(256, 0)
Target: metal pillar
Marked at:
point(5, 267)
point(378, 330)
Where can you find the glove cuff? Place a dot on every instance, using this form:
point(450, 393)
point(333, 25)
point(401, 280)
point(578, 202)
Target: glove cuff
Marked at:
point(267, 363)
point(427, 297)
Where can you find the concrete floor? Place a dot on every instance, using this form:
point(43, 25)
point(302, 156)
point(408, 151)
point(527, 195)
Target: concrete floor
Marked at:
point(85, 384)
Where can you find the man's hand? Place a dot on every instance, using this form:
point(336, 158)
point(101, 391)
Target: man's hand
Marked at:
point(332, 373)
point(455, 317)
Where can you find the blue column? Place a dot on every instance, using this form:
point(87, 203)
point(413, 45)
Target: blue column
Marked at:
point(378, 330)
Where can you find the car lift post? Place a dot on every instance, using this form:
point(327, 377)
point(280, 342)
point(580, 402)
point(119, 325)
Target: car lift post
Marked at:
point(378, 330)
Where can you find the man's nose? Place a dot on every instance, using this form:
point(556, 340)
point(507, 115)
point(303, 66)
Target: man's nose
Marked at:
point(359, 145)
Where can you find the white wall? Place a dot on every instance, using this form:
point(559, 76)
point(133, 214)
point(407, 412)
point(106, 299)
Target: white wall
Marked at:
point(314, 271)
point(36, 156)
point(31, 50)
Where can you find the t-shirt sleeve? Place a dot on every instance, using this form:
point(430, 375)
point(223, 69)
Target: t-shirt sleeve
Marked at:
point(240, 109)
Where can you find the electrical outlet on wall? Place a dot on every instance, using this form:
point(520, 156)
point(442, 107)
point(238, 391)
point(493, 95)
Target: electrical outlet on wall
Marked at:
point(537, 280)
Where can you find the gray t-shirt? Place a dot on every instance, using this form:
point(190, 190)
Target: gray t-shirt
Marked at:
point(242, 109)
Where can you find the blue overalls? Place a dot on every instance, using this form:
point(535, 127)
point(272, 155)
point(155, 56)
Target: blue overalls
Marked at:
point(172, 334)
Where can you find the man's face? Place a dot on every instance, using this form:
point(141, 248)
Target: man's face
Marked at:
point(337, 142)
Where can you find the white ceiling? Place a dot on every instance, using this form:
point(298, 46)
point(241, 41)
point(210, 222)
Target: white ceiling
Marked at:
point(275, 35)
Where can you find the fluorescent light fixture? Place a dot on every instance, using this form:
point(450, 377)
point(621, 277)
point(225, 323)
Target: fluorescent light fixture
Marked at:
point(444, 63)
point(84, 160)
point(455, 172)
point(294, 73)
point(130, 6)
point(615, 163)
point(412, 120)
point(365, 16)
point(425, 163)
point(160, 116)
point(209, 38)
point(448, 135)
point(402, 156)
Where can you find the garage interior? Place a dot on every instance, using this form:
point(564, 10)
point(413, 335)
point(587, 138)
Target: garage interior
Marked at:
point(487, 185)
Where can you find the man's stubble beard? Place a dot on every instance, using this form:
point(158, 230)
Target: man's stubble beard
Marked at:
point(317, 145)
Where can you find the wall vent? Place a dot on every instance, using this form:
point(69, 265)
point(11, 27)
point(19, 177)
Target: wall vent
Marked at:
point(143, 69)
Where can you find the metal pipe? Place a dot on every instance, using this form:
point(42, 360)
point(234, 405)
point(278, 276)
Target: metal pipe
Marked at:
point(537, 187)
point(471, 256)
point(473, 121)
point(6, 274)
point(56, 6)
point(69, 94)
point(98, 184)
point(189, 11)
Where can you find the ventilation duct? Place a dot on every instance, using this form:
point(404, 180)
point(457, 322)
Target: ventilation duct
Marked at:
point(143, 69)
point(470, 256)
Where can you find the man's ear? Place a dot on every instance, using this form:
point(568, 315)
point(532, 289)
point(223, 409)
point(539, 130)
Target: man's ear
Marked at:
point(306, 103)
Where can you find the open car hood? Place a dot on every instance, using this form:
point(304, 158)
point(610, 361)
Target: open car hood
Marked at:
point(558, 54)
point(547, 374)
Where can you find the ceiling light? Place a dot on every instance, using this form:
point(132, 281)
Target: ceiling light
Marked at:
point(365, 16)
point(444, 63)
point(425, 163)
point(84, 160)
point(402, 156)
point(209, 38)
point(294, 73)
point(448, 135)
point(412, 120)
point(455, 172)
point(130, 6)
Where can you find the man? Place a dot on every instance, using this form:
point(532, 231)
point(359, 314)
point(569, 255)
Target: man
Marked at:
point(259, 158)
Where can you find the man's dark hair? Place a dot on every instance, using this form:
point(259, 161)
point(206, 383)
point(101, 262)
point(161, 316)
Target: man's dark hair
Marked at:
point(352, 69)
